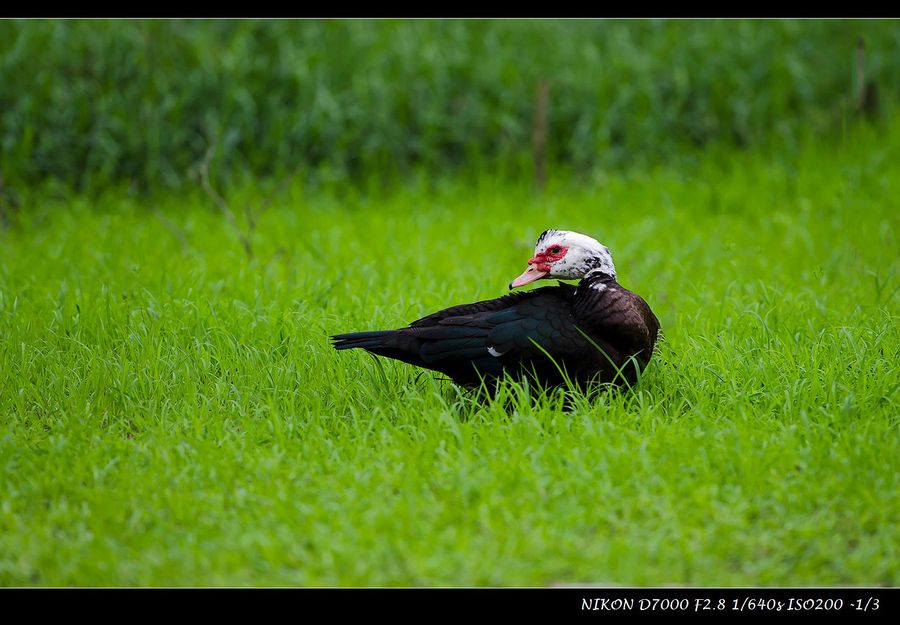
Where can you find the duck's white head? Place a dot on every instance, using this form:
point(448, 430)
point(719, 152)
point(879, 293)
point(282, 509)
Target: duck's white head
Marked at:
point(567, 255)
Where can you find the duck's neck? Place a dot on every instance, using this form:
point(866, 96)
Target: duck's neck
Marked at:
point(600, 275)
point(597, 281)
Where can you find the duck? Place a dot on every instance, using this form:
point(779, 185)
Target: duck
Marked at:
point(567, 335)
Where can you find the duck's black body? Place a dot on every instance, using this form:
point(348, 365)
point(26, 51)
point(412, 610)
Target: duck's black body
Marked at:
point(597, 331)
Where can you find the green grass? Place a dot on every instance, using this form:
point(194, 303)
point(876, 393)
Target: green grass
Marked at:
point(171, 412)
point(99, 102)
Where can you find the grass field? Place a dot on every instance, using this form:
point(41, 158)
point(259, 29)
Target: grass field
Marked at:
point(173, 414)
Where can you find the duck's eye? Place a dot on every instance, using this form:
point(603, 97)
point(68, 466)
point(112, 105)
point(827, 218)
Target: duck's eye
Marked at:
point(555, 249)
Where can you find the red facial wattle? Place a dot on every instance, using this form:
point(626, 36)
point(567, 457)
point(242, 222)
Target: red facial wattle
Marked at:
point(539, 265)
point(543, 260)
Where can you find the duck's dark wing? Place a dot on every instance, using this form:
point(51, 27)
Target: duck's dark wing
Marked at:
point(599, 330)
point(526, 330)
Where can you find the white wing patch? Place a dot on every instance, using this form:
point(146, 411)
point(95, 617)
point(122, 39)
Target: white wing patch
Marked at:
point(599, 286)
point(493, 352)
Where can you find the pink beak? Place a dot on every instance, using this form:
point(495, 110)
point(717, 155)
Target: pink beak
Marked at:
point(531, 274)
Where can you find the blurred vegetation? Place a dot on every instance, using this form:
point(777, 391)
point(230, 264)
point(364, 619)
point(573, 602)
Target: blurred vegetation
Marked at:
point(149, 103)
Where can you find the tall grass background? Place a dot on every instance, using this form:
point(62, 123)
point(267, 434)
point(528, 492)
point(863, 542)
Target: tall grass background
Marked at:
point(146, 102)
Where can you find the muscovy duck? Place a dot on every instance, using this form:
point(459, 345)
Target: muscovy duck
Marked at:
point(595, 331)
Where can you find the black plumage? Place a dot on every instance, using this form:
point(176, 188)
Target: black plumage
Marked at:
point(597, 331)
